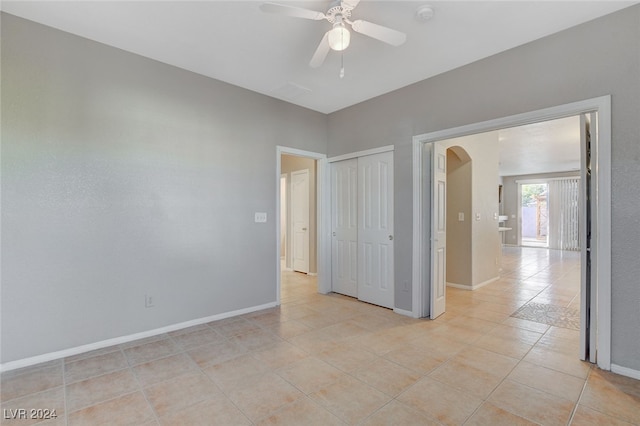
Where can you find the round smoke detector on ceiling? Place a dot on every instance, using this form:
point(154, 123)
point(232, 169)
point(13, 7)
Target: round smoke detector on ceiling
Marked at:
point(424, 13)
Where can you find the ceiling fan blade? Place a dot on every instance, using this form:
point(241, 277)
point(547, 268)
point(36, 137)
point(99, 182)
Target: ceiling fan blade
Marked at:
point(387, 35)
point(349, 4)
point(296, 12)
point(321, 52)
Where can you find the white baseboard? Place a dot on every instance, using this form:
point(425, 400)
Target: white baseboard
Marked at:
point(313, 274)
point(26, 362)
point(460, 286)
point(624, 371)
point(473, 287)
point(403, 312)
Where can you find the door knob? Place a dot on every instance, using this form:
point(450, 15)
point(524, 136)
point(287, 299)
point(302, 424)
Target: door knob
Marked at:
point(390, 237)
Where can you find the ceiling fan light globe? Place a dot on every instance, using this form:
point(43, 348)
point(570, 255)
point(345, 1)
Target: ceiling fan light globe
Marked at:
point(339, 37)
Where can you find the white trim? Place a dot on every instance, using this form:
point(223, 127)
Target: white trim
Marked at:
point(323, 180)
point(473, 286)
point(602, 168)
point(364, 153)
point(287, 250)
point(518, 215)
point(624, 371)
point(460, 286)
point(299, 152)
point(403, 312)
point(603, 205)
point(312, 274)
point(322, 200)
point(27, 362)
point(417, 287)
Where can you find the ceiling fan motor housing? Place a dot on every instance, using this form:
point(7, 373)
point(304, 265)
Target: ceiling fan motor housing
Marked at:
point(337, 11)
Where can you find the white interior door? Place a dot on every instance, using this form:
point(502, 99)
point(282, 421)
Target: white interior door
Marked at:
point(344, 224)
point(438, 230)
point(375, 229)
point(300, 220)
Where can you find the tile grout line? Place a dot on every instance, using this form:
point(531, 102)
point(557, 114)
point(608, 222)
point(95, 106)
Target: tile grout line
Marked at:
point(140, 388)
point(541, 390)
point(486, 400)
point(222, 391)
point(575, 408)
point(64, 392)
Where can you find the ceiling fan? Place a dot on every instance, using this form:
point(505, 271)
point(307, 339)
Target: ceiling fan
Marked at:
point(337, 38)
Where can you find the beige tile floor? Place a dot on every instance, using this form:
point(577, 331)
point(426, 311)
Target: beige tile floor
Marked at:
point(329, 359)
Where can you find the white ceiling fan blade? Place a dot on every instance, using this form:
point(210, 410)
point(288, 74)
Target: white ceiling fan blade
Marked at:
point(387, 35)
point(296, 12)
point(349, 4)
point(321, 52)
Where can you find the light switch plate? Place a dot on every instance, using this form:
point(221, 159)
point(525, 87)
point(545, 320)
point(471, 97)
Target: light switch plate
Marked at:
point(261, 217)
point(460, 216)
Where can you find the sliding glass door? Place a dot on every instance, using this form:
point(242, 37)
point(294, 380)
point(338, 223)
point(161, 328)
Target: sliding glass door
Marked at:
point(534, 214)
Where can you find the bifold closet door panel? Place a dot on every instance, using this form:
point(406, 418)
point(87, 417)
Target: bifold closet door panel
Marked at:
point(344, 224)
point(375, 229)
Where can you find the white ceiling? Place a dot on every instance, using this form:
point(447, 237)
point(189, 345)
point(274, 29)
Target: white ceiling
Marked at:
point(550, 146)
point(235, 42)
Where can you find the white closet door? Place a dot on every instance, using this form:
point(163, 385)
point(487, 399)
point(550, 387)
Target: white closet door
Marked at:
point(375, 229)
point(344, 224)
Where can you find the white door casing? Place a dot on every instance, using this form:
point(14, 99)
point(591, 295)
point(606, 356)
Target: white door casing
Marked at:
point(300, 220)
point(375, 229)
point(344, 227)
point(284, 220)
point(323, 217)
point(601, 205)
point(438, 230)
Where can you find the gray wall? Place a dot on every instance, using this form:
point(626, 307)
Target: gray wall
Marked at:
point(459, 233)
point(485, 240)
point(121, 177)
point(594, 59)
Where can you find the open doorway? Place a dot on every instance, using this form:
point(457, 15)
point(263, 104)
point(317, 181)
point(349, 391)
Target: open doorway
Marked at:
point(595, 229)
point(534, 214)
point(298, 214)
point(305, 170)
point(478, 164)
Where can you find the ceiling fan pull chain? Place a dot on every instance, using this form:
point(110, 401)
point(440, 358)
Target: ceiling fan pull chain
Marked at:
point(342, 65)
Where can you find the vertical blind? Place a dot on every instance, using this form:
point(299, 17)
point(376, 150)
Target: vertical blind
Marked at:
point(564, 214)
